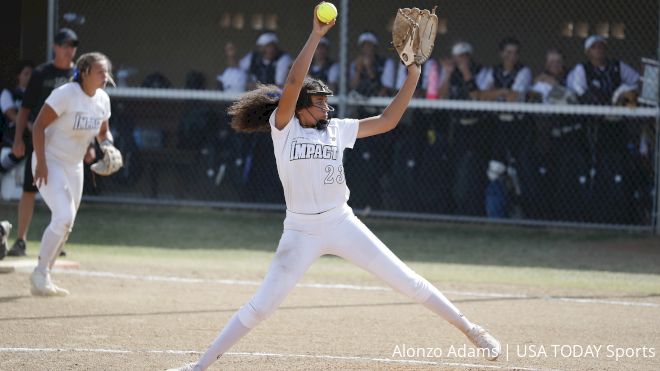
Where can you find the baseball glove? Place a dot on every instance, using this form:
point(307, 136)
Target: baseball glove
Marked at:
point(413, 34)
point(111, 161)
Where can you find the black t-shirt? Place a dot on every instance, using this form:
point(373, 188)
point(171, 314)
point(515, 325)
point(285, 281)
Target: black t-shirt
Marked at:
point(43, 81)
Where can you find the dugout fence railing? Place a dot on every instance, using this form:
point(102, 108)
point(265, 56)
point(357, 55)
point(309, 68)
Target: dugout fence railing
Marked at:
point(558, 172)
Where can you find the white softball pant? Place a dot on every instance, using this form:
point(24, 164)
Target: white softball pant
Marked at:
point(337, 232)
point(62, 193)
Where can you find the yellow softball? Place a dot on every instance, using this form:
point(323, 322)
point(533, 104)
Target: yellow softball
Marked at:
point(326, 12)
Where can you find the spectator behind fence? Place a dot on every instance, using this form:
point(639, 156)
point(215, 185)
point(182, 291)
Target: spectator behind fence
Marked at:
point(10, 102)
point(267, 64)
point(562, 155)
point(323, 67)
point(233, 78)
point(368, 77)
point(226, 159)
point(418, 172)
point(550, 85)
point(436, 165)
point(467, 133)
point(508, 82)
point(390, 77)
point(367, 69)
point(601, 80)
point(606, 187)
point(422, 85)
point(537, 165)
point(466, 79)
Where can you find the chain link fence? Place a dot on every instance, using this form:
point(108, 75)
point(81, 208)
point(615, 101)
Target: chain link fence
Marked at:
point(504, 126)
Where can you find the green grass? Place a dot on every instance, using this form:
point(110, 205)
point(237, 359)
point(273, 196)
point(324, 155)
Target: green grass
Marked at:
point(234, 243)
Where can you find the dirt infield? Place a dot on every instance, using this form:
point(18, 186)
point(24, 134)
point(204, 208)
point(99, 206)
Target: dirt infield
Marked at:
point(156, 294)
point(137, 321)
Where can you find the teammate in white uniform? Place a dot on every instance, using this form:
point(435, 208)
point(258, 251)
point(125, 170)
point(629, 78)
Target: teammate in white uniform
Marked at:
point(73, 115)
point(308, 150)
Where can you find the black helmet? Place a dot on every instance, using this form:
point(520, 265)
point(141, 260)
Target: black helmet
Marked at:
point(311, 86)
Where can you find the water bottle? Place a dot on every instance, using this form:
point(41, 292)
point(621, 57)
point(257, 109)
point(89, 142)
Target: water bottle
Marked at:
point(433, 84)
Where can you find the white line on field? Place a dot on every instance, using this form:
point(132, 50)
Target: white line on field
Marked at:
point(135, 277)
point(260, 354)
point(600, 301)
point(48, 350)
point(213, 281)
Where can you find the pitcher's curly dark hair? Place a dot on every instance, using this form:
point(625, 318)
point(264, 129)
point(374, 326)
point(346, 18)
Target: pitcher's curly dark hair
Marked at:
point(251, 112)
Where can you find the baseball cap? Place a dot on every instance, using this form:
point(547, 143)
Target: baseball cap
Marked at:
point(267, 38)
point(591, 40)
point(461, 48)
point(66, 35)
point(367, 37)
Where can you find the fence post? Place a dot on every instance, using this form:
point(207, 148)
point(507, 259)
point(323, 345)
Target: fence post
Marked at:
point(656, 192)
point(343, 58)
point(656, 207)
point(50, 32)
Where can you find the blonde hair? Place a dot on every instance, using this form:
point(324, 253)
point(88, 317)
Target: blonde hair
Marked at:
point(84, 66)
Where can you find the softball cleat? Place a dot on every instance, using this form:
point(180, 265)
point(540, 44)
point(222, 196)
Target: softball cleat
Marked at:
point(43, 286)
point(485, 342)
point(187, 367)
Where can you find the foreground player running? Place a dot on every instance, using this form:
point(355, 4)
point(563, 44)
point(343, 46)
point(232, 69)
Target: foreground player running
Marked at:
point(309, 150)
point(72, 116)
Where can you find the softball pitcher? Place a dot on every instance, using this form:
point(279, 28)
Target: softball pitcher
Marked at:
point(309, 150)
point(72, 116)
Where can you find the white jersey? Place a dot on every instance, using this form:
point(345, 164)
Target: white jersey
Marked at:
point(309, 163)
point(233, 79)
point(7, 101)
point(79, 121)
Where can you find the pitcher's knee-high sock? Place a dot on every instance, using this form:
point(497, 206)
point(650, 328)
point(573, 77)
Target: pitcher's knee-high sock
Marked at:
point(440, 305)
point(50, 242)
point(233, 332)
point(58, 250)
